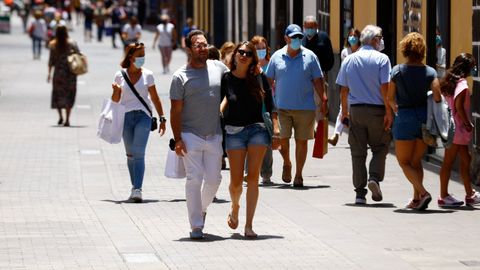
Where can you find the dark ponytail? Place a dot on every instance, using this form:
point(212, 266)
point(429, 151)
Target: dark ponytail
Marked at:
point(460, 69)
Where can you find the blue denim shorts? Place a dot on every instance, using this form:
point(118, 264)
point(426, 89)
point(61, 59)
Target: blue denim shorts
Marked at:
point(407, 124)
point(250, 135)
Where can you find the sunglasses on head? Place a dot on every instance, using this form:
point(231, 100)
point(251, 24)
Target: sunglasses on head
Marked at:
point(245, 53)
point(137, 45)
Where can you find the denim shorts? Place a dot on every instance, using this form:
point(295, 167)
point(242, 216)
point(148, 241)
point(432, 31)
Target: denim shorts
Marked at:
point(407, 124)
point(250, 135)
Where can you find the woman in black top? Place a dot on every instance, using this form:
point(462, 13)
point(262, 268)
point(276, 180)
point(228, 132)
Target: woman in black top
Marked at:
point(247, 136)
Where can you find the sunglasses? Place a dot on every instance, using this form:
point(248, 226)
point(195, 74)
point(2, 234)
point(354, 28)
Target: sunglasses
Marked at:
point(199, 46)
point(137, 45)
point(296, 36)
point(245, 53)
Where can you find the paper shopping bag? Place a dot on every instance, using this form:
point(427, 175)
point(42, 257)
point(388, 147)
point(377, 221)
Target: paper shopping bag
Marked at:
point(320, 146)
point(174, 167)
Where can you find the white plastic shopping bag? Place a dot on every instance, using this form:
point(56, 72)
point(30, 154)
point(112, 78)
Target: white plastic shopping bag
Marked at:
point(110, 125)
point(174, 167)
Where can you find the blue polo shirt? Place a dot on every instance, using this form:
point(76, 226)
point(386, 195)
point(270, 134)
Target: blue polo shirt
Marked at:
point(363, 72)
point(293, 78)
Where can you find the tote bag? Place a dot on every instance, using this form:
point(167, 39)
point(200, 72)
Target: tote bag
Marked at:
point(110, 125)
point(174, 167)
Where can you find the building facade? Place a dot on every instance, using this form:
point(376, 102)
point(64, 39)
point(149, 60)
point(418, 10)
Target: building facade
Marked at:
point(237, 20)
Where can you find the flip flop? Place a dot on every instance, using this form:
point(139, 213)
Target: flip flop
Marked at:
point(250, 234)
point(287, 173)
point(232, 222)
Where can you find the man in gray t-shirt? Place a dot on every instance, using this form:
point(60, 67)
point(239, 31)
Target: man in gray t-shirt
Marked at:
point(195, 120)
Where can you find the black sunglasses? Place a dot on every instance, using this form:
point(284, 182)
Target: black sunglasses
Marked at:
point(296, 36)
point(137, 45)
point(245, 53)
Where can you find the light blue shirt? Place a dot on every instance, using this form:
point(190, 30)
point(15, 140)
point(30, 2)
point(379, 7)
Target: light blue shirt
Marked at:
point(363, 72)
point(294, 78)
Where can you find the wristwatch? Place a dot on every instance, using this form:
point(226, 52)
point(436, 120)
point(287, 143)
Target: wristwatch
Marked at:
point(163, 119)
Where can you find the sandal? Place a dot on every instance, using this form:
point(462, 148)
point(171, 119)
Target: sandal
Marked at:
point(250, 234)
point(298, 182)
point(287, 173)
point(232, 222)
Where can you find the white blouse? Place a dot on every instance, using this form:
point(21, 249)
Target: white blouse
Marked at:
point(128, 98)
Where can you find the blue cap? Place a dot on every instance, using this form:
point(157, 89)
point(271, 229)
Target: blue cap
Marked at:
point(293, 30)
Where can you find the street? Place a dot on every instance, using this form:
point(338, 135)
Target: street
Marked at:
point(63, 193)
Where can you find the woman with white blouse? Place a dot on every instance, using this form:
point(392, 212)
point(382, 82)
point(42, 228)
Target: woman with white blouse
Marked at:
point(138, 119)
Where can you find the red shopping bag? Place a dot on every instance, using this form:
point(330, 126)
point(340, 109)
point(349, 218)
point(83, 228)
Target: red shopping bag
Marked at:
point(320, 147)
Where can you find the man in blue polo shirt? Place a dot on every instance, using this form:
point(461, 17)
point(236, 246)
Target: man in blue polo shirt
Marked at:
point(364, 78)
point(296, 72)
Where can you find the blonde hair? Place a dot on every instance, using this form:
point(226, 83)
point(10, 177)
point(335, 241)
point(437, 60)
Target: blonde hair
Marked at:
point(226, 48)
point(413, 46)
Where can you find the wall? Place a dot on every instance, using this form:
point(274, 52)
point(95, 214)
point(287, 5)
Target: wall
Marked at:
point(364, 13)
point(335, 25)
point(461, 28)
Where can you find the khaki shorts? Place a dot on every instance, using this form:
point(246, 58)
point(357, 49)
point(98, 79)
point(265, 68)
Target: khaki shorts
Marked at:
point(302, 121)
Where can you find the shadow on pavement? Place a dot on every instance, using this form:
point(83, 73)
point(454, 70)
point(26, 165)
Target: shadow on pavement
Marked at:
point(237, 236)
point(130, 201)
point(372, 205)
point(174, 200)
point(424, 212)
point(206, 239)
point(217, 200)
point(289, 186)
point(71, 126)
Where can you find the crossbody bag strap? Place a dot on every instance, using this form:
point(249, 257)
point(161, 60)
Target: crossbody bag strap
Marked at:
point(127, 80)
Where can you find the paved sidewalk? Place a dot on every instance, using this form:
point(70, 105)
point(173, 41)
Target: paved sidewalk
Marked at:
point(63, 194)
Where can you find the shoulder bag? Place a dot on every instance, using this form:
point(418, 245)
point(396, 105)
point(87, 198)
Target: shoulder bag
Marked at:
point(77, 62)
point(154, 119)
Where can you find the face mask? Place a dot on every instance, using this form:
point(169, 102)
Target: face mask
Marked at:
point(473, 72)
point(261, 53)
point(438, 40)
point(310, 32)
point(139, 61)
point(352, 40)
point(295, 43)
point(381, 46)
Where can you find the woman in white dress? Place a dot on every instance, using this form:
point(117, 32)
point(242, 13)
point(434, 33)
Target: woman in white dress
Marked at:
point(167, 40)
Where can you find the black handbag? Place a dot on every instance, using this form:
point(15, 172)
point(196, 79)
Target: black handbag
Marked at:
point(154, 125)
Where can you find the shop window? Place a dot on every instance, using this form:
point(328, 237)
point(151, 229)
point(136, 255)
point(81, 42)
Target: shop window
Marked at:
point(323, 15)
point(346, 19)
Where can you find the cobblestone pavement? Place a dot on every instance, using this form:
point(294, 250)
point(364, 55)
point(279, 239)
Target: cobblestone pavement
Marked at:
point(63, 194)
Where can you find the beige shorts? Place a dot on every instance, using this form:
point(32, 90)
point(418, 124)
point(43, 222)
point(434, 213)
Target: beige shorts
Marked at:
point(302, 121)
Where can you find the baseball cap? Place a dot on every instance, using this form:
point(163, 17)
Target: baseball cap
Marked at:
point(293, 30)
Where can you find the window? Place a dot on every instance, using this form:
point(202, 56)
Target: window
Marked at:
point(323, 16)
point(346, 19)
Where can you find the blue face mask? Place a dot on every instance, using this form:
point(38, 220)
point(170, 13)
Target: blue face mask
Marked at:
point(438, 40)
point(295, 43)
point(261, 53)
point(310, 32)
point(352, 40)
point(139, 61)
point(473, 72)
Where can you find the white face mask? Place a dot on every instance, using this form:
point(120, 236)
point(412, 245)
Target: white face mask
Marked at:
point(381, 46)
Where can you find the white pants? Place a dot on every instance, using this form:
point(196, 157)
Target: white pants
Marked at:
point(203, 161)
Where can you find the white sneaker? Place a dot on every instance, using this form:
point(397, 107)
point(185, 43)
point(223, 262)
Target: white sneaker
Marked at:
point(136, 195)
point(449, 201)
point(474, 199)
